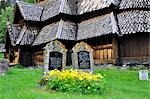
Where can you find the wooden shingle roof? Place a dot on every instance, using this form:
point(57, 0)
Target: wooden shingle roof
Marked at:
point(29, 36)
point(85, 6)
point(134, 21)
point(22, 36)
point(97, 26)
point(50, 8)
point(128, 4)
point(13, 32)
point(132, 17)
point(65, 30)
point(30, 12)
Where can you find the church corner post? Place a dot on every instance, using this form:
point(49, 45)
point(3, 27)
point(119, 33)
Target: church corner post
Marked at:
point(116, 50)
point(82, 57)
point(54, 56)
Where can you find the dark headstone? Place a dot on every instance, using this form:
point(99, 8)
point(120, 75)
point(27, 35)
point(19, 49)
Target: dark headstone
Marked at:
point(4, 65)
point(83, 60)
point(55, 60)
point(82, 57)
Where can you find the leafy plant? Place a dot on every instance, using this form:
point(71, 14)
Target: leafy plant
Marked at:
point(74, 81)
point(5, 15)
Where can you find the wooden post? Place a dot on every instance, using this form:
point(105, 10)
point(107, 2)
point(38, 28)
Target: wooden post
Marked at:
point(16, 61)
point(115, 44)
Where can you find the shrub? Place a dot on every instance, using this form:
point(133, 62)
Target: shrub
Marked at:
point(74, 81)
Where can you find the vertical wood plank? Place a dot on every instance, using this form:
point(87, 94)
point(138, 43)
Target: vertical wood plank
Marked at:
point(97, 54)
point(115, 48)
point(109, 53)
point(105, 53)
point(101, 54)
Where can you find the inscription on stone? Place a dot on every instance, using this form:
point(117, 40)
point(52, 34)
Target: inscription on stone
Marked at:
point(143, 74)
point(83, 60)
point(55, 60)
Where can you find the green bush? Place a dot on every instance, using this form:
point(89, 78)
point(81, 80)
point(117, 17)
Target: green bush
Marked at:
point(74, 81)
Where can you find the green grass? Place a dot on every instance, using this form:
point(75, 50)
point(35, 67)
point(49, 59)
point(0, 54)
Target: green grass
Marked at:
point(1, 55)
point(121, 84)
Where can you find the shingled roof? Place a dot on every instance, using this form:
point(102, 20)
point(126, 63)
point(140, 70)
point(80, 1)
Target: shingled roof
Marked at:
point(28, 36)
point(97, 26)
point(22, 36)
point(127, 4)
point(134, 21)
point(54, 7)
point(85, 6)
point(129, 21)
point(50, 8)
point(65, 30)
point(30, 12)
point(13, 32)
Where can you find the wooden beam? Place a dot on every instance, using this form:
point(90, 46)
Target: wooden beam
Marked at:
point(115, 53)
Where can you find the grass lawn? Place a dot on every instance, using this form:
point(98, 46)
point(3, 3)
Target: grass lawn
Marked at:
point(121, 84)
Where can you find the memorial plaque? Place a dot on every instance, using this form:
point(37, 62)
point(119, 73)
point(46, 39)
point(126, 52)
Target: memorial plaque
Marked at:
point(55, 60)
point(83, 60)
point(143, 74)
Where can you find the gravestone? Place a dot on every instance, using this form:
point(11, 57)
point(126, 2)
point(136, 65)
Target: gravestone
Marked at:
point(55, 60)
point(82, 57)
point(55, 56)
point(4, 65)
point(143, 74)
point(83, 60)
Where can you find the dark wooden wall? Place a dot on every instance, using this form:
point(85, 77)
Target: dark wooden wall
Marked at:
point(103, 49)
point(135, 47)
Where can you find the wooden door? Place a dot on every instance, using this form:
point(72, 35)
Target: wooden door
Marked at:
point(26, 57)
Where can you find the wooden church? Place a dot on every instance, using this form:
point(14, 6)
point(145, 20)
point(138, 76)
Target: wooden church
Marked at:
point(117, 31)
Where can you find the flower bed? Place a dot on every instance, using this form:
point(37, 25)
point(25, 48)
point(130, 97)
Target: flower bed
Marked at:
point(74, 81)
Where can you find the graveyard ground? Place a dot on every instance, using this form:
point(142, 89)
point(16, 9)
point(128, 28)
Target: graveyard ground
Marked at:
point(121, 84)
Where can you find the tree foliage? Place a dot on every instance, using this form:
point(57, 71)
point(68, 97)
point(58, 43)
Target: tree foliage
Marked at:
point(30, 1)
point(6, 15)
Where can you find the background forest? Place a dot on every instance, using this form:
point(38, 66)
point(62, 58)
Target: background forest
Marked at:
point(6, 14)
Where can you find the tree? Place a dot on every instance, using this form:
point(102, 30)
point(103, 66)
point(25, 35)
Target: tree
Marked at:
point(6, 15)
point(30, 1)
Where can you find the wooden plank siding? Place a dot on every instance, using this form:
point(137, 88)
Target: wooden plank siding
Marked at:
point(102, 54)
point(103, 49)
point(135, 47)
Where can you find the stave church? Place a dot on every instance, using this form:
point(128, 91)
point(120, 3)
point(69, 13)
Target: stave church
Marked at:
point(59, 33)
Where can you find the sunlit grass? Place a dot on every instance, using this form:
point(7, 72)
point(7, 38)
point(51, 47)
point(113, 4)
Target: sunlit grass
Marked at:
point(121, 84)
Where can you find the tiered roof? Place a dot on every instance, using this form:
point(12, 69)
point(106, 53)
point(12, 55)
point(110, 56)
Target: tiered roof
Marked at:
point(51, 8)
point(131, 17)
